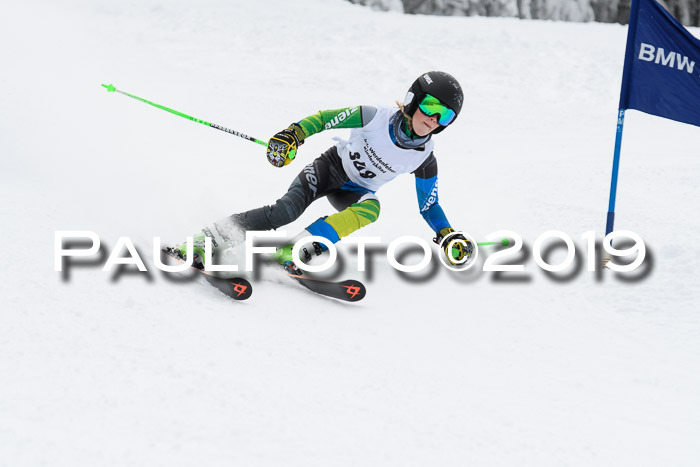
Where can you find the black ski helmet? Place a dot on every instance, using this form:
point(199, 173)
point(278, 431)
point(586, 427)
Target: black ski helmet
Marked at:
point(438, 84)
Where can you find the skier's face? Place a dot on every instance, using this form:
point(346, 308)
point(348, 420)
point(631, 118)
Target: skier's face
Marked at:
point(422, 124)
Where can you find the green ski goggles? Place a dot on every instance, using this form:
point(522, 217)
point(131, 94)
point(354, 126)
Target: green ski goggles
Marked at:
point(431, 105)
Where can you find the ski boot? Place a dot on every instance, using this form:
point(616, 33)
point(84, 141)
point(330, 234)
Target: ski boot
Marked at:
point(197, 250)
point(223, 234)
point(283, 254)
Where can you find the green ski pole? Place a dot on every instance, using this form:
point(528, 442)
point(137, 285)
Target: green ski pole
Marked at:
point(504, 242)
point(111, 88)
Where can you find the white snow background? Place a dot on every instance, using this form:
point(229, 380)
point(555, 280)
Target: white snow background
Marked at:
point(455, 369)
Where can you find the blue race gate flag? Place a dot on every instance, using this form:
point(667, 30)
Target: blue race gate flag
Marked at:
point(661, 76)
point(662, 65)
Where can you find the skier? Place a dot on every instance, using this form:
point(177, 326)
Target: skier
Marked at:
point(384, 143)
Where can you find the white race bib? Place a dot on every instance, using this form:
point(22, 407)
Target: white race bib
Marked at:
point(371, 159)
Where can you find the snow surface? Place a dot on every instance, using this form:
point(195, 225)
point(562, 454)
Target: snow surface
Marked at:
point(452, 369)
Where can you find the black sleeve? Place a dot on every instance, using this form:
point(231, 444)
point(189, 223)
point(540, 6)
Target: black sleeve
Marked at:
point(428, 169)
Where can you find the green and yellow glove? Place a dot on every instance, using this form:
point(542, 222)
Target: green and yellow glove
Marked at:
point(459, 249)
point(282, 148)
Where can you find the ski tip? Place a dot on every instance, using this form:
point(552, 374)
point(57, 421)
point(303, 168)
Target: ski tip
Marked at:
point(109, 87)
point(240, 289)
point(354, 291)
point(236, 288)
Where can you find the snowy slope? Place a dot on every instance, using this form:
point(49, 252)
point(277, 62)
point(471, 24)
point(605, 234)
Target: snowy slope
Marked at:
point(451, 369)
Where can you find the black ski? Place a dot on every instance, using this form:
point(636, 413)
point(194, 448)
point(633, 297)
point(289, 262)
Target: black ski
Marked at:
point(347, 290)
point(237, 288)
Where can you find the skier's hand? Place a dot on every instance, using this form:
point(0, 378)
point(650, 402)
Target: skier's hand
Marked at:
point(460, 249)
point(282, 148)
